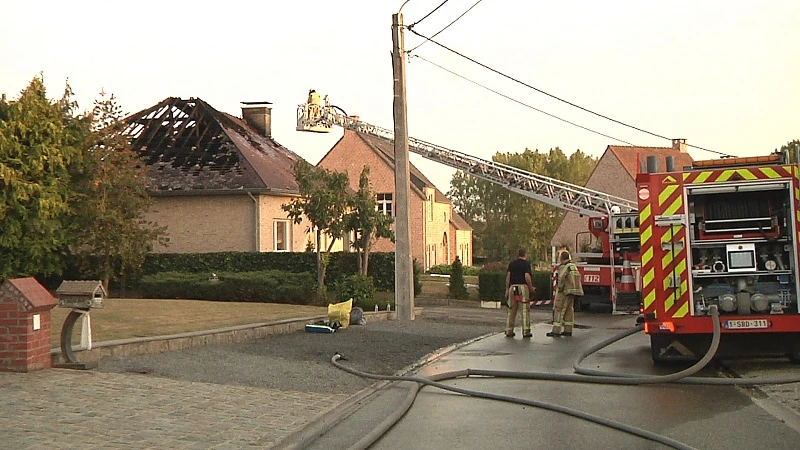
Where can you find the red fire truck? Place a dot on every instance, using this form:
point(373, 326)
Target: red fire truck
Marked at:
point(722, 232)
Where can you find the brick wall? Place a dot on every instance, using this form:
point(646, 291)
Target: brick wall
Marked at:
point(350, 155)
point(22, 348)
point(609, 177)
point(221, 223)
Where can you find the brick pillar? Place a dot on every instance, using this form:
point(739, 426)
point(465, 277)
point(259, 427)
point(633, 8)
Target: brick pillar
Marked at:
point(25, 325)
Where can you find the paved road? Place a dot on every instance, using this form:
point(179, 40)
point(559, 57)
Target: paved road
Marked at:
point(173, 401)
point(708, 417)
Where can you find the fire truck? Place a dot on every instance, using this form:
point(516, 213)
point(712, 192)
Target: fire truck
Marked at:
point(722, 232)
point(608, 271)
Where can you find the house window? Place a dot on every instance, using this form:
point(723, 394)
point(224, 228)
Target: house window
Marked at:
point(385, 204)
point(280, 235)
point(430, 208)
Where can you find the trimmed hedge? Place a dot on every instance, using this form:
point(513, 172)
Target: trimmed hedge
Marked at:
point(492, 283)
point(269, 286)
point(361, 289)
point(342, 264)
point(446, 269)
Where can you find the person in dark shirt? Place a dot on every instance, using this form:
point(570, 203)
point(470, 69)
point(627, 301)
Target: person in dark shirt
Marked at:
point(518, 289)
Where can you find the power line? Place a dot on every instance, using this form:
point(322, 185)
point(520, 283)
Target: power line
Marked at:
point(553, 96)
point(426, 15)
point(520, 102)
point(446, 27)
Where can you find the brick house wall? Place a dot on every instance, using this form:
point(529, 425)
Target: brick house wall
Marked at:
point(222, 223)
point(609, 177)
point(429, 218)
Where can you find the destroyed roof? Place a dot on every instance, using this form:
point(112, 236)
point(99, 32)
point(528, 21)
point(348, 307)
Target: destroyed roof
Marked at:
point(385, 148)
point(188, 146)
point(630, 156)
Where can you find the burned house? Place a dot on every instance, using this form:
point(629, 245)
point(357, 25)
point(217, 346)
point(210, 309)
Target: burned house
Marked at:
point(218, 181)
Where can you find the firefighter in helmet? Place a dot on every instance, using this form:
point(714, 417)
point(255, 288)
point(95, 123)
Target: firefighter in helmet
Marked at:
point(569, 286)
point(313, 105)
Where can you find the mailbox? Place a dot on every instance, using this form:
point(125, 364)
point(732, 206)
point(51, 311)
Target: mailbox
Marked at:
point(81, 294)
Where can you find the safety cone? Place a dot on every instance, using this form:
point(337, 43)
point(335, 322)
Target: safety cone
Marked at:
point(627, 283)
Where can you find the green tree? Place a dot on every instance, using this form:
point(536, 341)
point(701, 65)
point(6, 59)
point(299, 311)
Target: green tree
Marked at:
point(503, 220)
point(792, 148)
point(40, 149)
point(457, 288)
point(367, 222)
point(324, 202)
point(112, 236)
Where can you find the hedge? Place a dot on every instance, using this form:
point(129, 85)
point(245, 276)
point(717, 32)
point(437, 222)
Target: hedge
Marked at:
point(445, 269)
point(269, 286)
point(492, 283)
point(342, 264)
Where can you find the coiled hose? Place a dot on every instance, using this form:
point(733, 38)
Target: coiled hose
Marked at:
point(582, 375)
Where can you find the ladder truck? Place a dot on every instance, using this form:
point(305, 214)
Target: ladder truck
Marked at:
point(608, 273)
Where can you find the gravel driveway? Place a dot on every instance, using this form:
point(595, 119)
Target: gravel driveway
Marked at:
point(301, 361)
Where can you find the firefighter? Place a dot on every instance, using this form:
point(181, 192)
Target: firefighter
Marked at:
point(518, 288)
point(313, 105)
point(568, 287)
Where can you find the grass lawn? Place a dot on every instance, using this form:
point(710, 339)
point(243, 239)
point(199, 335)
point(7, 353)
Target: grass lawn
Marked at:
point(129, 318)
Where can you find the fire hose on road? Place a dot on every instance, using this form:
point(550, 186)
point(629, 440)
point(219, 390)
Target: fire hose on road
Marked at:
point(582, 375)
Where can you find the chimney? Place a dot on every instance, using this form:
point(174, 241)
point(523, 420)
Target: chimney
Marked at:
point(679, 144)
point(259, 116)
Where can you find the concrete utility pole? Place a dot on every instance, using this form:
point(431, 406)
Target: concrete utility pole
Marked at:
point(404, 268)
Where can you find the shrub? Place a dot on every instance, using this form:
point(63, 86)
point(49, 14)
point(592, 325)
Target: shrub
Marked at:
point(457, 288)
point(492, 282)
point(417, 280)
point(360, 288)
point(543, 282)
point(445, 269)
point(270, 286)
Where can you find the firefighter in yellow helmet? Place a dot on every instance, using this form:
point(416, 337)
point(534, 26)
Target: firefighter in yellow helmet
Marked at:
point(313, 105)
point(568, 287)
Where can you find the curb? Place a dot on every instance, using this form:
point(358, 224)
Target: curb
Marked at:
point(181, 341)
point(766, 402)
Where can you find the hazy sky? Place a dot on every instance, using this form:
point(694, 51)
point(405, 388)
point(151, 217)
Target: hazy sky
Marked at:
point(724, 75)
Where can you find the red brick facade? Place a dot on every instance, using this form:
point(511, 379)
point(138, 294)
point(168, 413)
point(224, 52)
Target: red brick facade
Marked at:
point(436, 235)
point(25, 325)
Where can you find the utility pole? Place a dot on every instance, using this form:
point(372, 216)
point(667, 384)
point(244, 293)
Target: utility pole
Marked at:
point(404, 268)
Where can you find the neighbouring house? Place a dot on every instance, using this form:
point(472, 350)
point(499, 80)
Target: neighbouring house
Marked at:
point(615, 174)
point(438, 233)
point(217, 181)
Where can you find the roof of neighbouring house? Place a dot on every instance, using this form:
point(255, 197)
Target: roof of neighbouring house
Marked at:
point(385, 149)
point(190, 146)
point(630, 156)
point(459, 222)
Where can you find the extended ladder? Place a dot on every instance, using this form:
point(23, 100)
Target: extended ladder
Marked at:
point(554, 192)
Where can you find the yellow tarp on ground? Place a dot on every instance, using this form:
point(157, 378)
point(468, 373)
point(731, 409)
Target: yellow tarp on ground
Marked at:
point(340, 312)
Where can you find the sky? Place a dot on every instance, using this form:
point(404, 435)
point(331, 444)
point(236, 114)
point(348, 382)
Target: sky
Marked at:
point(723, 75)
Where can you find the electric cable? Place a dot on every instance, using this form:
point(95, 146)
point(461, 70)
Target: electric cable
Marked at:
point(554, 96)
point(446, 26)
point(520, 102)
point(427, 15)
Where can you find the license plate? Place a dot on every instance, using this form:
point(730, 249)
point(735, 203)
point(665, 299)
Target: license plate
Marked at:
point(591, 278)
point(746, 323)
